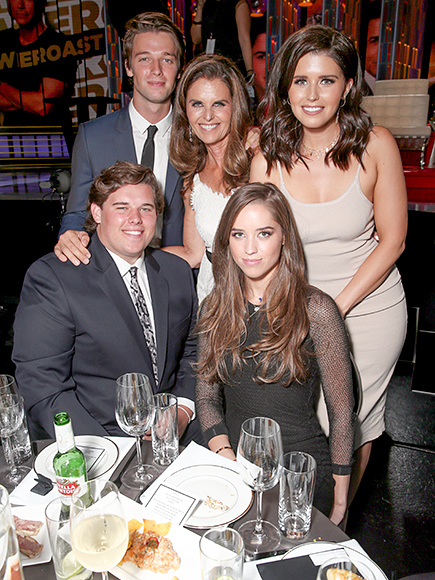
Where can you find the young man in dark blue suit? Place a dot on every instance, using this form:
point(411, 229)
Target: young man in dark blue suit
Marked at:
point(77, 329)
point(154, 56)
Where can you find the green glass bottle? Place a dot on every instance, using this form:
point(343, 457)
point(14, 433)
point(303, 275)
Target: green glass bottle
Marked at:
point(69, 462)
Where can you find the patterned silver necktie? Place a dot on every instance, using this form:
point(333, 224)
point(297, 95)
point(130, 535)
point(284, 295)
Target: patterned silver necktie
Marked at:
point(144, 317)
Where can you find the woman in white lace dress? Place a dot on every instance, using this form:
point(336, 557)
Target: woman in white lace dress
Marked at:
point(208, 147)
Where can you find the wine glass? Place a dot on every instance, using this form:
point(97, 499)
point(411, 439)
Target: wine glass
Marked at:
point(259, 457)
point(11, 419)
point(99, 532)
point(134, 412)
point(20, 440)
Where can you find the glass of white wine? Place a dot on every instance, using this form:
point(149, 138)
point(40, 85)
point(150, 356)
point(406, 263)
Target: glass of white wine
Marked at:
point(99, 533)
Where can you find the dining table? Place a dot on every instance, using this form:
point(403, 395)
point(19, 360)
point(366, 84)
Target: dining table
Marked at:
point(322, 529)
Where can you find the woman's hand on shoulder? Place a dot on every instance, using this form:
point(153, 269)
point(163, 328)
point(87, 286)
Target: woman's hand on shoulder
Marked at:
point(259, 168)
point(253, 139)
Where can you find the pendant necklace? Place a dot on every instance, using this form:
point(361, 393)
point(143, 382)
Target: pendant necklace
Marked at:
point(258, 306)
point(319, 152)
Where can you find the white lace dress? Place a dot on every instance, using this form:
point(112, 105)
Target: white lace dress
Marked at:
point(208, 206)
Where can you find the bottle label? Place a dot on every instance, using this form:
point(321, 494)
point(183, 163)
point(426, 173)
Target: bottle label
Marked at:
point(67, 485)
point(64, 437)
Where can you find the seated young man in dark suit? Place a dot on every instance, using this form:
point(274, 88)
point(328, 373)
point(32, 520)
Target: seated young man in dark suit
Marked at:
point(77, 329)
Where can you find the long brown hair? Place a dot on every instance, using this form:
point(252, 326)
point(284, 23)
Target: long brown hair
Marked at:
point(285, 320)
point(188, 154)
point(282, 134)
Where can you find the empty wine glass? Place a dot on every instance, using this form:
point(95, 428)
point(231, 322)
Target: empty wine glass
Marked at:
point(259, 456)
point(11, 419)
point(134, 412)
point(99, 532)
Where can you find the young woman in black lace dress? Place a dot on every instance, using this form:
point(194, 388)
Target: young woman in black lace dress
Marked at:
point(266, 340)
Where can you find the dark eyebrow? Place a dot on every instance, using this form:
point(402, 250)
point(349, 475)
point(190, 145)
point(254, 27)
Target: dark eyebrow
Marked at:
point(332, 75)
point(146, 204)
point(257, 230)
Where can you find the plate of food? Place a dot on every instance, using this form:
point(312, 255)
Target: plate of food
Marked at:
point(157, 549)
point(100, 453)
point(223, 494)
point(32, 534)
point(365, 565)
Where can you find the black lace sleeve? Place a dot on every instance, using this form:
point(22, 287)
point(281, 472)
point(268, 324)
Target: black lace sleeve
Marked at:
point(331, 346)
point(209, 404)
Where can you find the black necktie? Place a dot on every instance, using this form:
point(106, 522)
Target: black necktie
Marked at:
point(144, 317)
point(148, 148)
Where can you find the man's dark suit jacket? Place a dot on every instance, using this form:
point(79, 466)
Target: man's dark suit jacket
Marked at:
point(99, 144)
point(77, 331)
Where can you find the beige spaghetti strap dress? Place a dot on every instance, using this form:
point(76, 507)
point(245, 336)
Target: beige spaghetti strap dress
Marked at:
point(337, 237)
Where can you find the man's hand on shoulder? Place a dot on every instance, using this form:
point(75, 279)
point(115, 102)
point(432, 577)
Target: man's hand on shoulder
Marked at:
point(72, 246)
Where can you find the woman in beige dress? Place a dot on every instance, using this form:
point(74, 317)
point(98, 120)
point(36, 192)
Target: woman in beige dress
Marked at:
point(345, 184)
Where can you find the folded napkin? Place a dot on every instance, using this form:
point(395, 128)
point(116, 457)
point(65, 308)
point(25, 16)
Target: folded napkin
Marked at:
point(293, 568)
point(194, 454)
point(22, 494)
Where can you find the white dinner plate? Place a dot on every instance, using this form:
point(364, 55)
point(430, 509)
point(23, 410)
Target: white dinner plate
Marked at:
point(36, 512)
point(101, 455)
point(219, 483)
point(361, 561)
point(184, 542)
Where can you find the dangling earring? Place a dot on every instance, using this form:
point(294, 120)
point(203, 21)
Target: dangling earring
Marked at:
point(342, 103)
point(190, 134)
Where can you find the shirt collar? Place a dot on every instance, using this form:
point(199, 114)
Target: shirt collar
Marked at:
point(142, 124)
point(124, 266)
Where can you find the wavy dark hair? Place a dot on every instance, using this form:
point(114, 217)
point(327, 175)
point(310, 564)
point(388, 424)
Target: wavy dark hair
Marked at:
point(188, 154)
point(285, 318)
point(282, 134)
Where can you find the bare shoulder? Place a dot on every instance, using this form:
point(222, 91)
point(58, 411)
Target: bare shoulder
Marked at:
point(259, 161)
point(381, 142)
point(259, 170)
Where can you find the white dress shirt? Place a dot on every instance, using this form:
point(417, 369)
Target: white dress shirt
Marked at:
point(142, 277)
point(161, 152)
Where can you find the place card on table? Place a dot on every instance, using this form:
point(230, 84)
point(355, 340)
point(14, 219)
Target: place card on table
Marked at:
point(293, 569)
point(172, 504)
point(93, 455)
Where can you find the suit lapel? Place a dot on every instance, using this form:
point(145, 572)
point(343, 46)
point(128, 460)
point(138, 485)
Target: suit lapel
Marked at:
point(124, 142)
point(109, 279)
point(160, 299)
point(172, 177)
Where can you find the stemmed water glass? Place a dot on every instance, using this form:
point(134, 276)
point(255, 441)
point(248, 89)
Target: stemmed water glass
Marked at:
point(134, 412)
point(260, 457)
point(99, 533)
point(11, 419)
